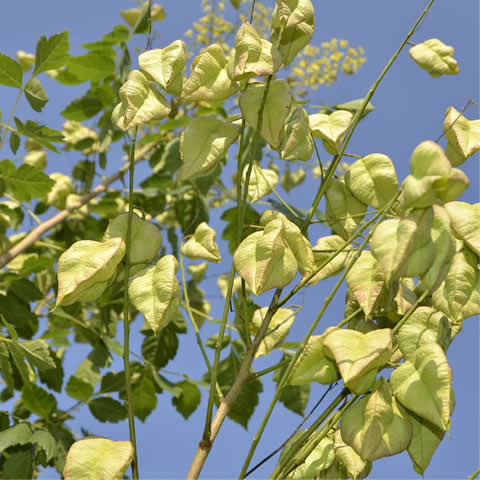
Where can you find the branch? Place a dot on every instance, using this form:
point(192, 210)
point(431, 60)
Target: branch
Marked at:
point(36, 233)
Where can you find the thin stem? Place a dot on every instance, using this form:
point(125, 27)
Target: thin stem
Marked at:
point(304, 420)
point(475, 474)
point(330, 421)
point(286, 460)
point(410, 312)
point(206, 437)
point(252, 9)
point(46, 226)
point(126, 311)
point(194, 324)
point(347, 319)
point(6, 127)
point(265, 371)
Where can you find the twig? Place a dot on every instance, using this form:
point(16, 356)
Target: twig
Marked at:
point(46, 226)
point(126, 311)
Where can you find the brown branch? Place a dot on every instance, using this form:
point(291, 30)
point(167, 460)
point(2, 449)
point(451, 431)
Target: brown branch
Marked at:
point(44, 227)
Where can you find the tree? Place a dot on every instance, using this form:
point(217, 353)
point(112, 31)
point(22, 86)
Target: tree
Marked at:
point(407, 253)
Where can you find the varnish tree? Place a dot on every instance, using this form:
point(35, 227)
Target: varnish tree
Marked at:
point(233, 97)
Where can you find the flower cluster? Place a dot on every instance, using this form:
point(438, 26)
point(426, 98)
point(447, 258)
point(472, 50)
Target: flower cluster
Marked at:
point(317, 66)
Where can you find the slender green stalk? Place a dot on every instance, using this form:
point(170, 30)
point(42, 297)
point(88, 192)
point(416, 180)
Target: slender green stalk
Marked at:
point(315, 439)
point(278, 365)
point(195, 326)
point(301, 441)
point(126, 312)
point(241, 218)
point(410, 312)
point(6, 127)
point(300, 348)
point(475, 474)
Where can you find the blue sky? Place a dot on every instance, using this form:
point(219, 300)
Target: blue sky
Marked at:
point(410, 107)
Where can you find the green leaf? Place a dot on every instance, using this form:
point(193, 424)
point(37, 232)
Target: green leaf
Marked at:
point(53, 377)
point(165, 66)
point(24, 369)
point(331, 129)
point(143, 395)
point(297, 143)
point(35, 94)
point(293, 23)
point(144, 19)
point(262, 182)
point(46, 442)
point(314, 365)
point(106, 409)
point(11, 73)
point(91, 67)
point(425, 326)
point(254, 56)
point(203, 143)
point(366, 281)
point(86, 269)
point(146, 239)
point(40, 133)
point(36, 351)
point(465, 219)
point(231, 217)
point(355, 466)
point(463, 136)
point(275, 112)
point(435, 57)
point(83, 108)
point(242, 409)
point(359, 356)
point(95, 458)
point(19, 434)
point(113, 382)
point(19, 464)
point(278, 328)
point(376, 426)
point(202, 245)
point(344, 211)
point(25, 182)
point(139, 103)
point(14, 142)
point(372, 179)
point(6, 368)
point(293, 397)
point(209, 80)
point(78, 389)
point(51, 53)
point(354, 106)
point(159, 349)
point(423, 384)
point(81, 385)
point(325, 247)
point(38, 400)
point(188, 401)
point(155, 292)
point(458, 296)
